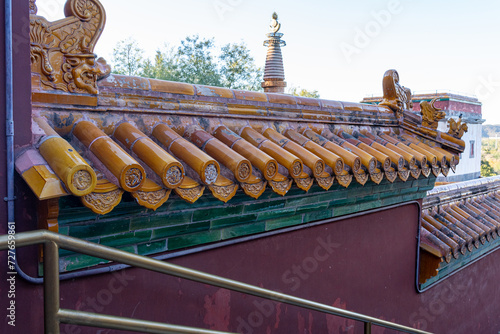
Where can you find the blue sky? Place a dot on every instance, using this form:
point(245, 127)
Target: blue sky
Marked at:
point(340, 48)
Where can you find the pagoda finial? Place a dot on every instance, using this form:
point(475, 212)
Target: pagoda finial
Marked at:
point(274, 73)
point(275, 25)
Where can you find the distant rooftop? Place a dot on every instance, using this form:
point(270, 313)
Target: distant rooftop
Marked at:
point(429, 95)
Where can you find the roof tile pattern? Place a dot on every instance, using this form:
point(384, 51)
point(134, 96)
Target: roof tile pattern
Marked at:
point(188, 159)
point(458, 222)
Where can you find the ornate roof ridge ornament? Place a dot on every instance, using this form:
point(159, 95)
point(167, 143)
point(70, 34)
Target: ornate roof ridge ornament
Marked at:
point(431, 115)
point(396, 97)
point(457, 129)
point(274, 73)
point(33, 8)
point(275, 25)
point(62, 51)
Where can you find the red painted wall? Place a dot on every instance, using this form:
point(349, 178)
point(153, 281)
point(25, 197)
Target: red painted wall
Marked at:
point(456, 106)
point(365, 264)
point(22, 119)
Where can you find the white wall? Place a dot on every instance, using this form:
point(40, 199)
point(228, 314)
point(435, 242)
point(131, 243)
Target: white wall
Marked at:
point(468, 168)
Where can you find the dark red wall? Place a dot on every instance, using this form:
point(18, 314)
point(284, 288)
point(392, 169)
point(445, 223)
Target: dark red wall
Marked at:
point(365, 264)
point(22, 93)
point(22, 119)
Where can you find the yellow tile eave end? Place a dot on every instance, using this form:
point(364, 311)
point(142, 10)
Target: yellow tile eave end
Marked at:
point(44, 183)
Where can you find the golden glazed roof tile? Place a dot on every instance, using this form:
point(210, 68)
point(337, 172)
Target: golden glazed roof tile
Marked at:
point(301, 154)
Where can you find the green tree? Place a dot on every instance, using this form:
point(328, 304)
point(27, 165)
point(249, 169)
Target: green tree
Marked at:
point(195, 60)
point(487, 169)
point(196, 63)
point(297, 91)
point(127, 57)
point(163, 66)
point(238, 68)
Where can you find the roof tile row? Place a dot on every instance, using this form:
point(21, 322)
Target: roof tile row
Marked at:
point(187, 159)
point(458, 226)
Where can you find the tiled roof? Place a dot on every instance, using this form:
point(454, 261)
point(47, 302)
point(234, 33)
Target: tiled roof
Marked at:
point(188, 159)
point(98, 135)
point(459, 223)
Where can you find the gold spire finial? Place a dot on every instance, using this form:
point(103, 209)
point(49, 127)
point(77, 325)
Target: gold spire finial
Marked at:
point(275, 25)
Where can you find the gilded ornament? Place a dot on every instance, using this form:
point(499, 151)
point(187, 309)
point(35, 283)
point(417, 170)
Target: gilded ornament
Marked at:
point(319, 168)
point(457, 129)
point(304, 183)
point(281, 187)
point(344, 180)
point(396, 97)
point(426, 171)
point(254, 190)
point(445, 170)
point(173, 176)
point(275, 25)
point(430, 114)
point(62, 51)
point(33, 8)
point(377, 176)
point(102, 203)
point(391, 175)
point(436, 171)
point(244, 171)
point(404, 174)
point(325, 182)
point(415, 172)
point(133, 177)
point(271, 170)
point(361, 177)
point(82, 180)
point(190, 195)
point(339, 167)
point(297, 169)
point(152, 199)
point(211, 174)
point(224, 193)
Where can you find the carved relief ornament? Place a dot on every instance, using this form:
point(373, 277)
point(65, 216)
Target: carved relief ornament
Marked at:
point(255, 189)
point(396, 97)
point(430, 114)
point(62, 51)
point(457, 128)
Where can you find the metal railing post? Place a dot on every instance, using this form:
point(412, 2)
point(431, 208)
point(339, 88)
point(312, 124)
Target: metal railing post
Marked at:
point(51, 287)
point(368, 328)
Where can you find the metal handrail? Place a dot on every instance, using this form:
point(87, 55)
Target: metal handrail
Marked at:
point(54, 315)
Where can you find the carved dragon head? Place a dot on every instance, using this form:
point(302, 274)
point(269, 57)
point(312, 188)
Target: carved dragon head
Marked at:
point(430, 114)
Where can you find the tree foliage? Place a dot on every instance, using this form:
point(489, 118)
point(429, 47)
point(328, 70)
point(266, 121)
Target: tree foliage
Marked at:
point(297, 91)
point(487, 169)
point(196, 60)
point(163, 66)
point(127, 57)
point(238, 70)
point(490, 157)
